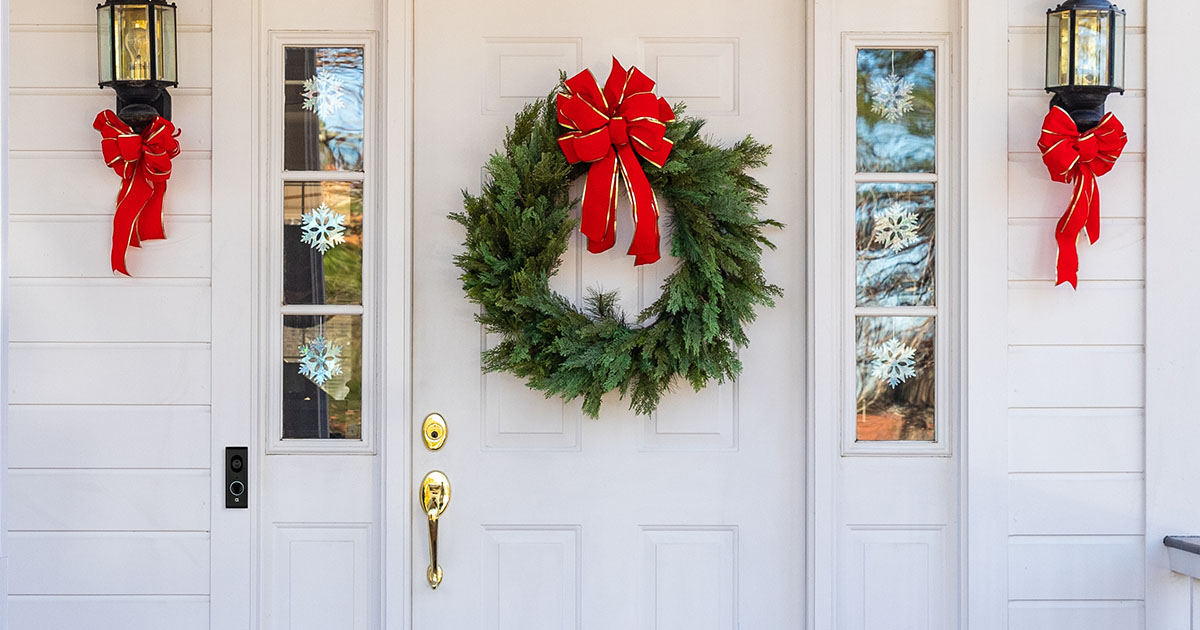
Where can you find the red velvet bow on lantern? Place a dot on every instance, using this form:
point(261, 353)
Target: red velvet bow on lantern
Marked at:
point(144, 163)
point(609, 128)
point(1079, 158)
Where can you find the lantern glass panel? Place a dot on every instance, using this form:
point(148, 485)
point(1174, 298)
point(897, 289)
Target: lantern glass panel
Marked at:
point(164, 26)
point(1091, 48)
point(104, 43)
point(132, 42)
point(1119, 51)
point(1058, 49)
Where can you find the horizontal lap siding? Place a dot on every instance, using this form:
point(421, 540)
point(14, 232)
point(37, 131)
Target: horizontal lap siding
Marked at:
point(109, 423)
point(1076, 367)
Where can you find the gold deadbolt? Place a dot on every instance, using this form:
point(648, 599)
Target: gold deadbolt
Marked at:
point(433, 431)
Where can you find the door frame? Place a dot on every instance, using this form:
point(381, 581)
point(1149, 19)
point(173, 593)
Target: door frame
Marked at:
point(983, 42)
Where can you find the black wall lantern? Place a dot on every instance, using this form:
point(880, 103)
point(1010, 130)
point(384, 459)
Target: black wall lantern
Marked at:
point(137, 57)
point(1085, 57)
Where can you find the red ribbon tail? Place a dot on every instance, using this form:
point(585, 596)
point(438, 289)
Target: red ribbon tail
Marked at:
point(150, 222)
point(599, 211)
point(1077, 216)
point(1092, 198)
point(644, 208)
point(136, 195)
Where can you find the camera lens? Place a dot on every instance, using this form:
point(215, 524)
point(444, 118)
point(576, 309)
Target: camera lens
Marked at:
point(235, 464)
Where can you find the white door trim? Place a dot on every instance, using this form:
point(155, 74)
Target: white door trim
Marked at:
point(235, 207)
point(397, 420)
point(985, 213)
point(1172, 341)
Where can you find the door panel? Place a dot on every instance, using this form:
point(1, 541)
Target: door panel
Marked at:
point(318, 534)
point(690, 518)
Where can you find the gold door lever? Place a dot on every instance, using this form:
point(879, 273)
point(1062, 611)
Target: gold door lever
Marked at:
point(435, 496)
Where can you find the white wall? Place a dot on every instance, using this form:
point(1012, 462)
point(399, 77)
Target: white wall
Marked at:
point(109, 389)
point(1076, 421)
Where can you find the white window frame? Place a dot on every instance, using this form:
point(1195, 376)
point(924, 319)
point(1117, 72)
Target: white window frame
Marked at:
point(946, 248)
point(270, 281)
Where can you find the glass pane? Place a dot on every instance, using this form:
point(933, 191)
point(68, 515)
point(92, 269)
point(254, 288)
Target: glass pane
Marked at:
point(322, 377)
point(322, 242)
point(1119, 51)
point(323, 109)
point(164, 23)
point(104, 35)
point(895, 400)
point(1058, 49)
point(133, 43)
point(1091, 47)
point(896, 122)
point(894, 236)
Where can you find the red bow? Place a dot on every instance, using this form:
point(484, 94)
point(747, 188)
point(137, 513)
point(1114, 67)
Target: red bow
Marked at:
point(607, 127)
point(144, 163)
point(1072, 157)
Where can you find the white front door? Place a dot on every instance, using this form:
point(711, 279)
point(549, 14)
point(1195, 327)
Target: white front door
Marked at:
point(691, 518)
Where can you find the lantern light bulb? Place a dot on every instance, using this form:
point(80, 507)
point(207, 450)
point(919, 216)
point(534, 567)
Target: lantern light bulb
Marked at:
point(137, 44)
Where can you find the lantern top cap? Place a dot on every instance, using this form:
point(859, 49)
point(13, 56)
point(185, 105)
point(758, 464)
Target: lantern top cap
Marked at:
point(1091, 5)
point(158, 3)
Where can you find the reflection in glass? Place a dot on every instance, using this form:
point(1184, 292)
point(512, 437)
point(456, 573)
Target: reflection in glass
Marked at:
point(1118, 27)
point(895, 369)
point(323, 109)
point(894, 236)
point(1091, 48)
point(896, 122)
point(322, 377)
point(322, 242)
point(1058, 58)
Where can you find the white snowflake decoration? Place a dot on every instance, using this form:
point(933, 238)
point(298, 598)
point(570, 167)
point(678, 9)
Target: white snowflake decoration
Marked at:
point(322, 228)
point(891, 97)
point(323, 93)
point(897, 228)
point(320, 359)
point(893, 361)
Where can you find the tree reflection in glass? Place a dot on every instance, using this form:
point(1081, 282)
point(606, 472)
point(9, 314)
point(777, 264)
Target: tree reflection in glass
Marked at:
point(895, 139)
point(323, 109)
point(894, 237)
point(896, 378)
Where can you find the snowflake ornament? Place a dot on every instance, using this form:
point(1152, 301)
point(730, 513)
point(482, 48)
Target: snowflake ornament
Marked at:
point(893, 361)
point(323, 94)
point(891, 97)
point(322, 228)
point(320, 359)
point(897, 228)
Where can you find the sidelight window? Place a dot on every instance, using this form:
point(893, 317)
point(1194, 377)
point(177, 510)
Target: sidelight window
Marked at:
point(321, 193)
point(895, 202)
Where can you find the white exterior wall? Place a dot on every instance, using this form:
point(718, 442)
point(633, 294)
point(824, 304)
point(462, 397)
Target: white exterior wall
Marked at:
point(1076, 421)
point(109, 417)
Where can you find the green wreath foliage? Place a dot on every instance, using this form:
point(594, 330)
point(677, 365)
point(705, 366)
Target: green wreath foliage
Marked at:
point(519, 226)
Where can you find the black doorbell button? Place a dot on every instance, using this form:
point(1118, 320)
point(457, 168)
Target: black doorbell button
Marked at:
point(235, 477)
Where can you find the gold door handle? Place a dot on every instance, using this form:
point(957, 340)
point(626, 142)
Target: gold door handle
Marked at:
point(435, 496)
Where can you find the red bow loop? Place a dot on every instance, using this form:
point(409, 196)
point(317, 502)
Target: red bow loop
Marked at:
point(144, 163)
point(609, 128)
point(1072, 157)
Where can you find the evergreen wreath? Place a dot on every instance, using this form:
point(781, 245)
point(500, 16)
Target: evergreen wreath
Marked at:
point(519, 227)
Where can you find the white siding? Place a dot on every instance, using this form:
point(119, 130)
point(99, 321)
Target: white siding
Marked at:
point(1076, 490)
point(109, 486)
